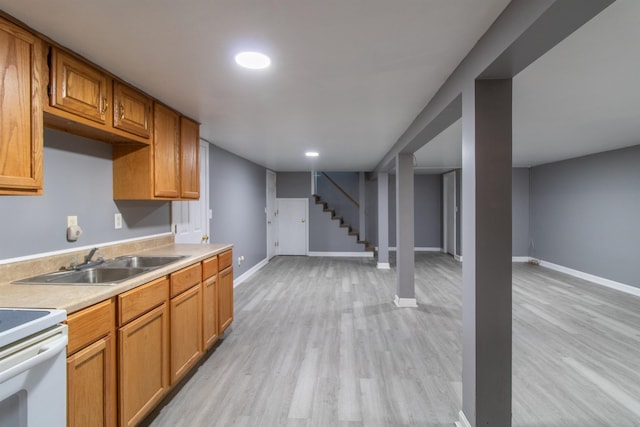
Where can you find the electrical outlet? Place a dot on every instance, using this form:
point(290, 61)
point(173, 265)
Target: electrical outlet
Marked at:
point(117, 220)
point(72, 220)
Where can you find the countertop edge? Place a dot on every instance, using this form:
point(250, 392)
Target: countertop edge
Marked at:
point(73, 298)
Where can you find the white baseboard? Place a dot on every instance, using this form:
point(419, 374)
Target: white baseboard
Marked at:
point(592, 278)
point(462, 421)
point(405, 302)
point(343, 254)
point(417, 249)
point(513, 259)
point(384, 266)
point(250, 272)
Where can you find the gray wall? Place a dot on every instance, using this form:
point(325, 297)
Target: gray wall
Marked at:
point(238, 200)
point(349, 181)
point(427, 211)
point(520, 212)
point(584, 214)
point(324, 234)
point(77, 181)
point(293, 185)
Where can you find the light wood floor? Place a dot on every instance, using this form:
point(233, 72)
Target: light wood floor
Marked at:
point(318, 342)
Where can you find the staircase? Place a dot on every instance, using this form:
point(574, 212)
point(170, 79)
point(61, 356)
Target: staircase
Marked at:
point(368, 247)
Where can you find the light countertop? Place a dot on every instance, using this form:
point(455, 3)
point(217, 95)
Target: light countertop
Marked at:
point(76, 297)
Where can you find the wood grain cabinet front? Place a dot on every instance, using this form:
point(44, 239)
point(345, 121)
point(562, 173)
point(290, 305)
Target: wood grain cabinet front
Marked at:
point(209, 302)
point(77, 87)
point(225, 291)
point(166, 170)
point(91, 367)
point(132, 110)
point(186, 320)
point(143, 350)
point(21, 117)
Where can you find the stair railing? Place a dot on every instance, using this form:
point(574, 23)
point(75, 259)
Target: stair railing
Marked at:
point(342, 190)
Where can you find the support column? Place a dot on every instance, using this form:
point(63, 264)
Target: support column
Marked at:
point(405, 289)
point(361, 211)
point(383, 221)
point(486, 268)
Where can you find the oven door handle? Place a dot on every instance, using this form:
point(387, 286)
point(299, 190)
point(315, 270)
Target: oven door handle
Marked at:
point(48, 351)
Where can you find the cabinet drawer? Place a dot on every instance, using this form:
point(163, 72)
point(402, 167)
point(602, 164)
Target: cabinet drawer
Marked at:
point(138, 301)
point(185, 278)
point(90, 324)
point(209, 267)
point(225, 260)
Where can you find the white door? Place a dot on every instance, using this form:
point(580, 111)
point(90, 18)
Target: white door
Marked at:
point(449, 214)
point(292, 226)
point(272, 218)
point(191, 218)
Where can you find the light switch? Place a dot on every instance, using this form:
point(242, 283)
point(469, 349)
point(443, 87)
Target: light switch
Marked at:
point(118, 220)
point(72, 220)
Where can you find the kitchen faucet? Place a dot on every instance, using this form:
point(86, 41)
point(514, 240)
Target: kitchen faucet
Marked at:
point(88, 262)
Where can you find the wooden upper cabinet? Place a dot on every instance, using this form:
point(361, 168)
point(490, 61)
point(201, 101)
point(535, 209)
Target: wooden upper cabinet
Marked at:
point(77, 87)
point(21, 134)
point(166, 149)
point(132, 110)
point(189, 166)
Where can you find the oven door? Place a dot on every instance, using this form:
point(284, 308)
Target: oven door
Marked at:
point(33, 380)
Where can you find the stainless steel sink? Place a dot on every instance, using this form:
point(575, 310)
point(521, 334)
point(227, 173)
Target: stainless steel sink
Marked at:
point(90, 276)
point(111, 272)
point(146, 262)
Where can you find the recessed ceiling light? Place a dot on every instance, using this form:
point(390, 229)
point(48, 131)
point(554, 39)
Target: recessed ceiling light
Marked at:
point(311, 154)
point(253, 60)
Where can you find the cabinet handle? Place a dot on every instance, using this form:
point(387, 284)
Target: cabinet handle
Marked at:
point(105, 105)
point(121, 111)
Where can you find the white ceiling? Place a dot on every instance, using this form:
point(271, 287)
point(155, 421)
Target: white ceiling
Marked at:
point(581, 97)
point(348, 77)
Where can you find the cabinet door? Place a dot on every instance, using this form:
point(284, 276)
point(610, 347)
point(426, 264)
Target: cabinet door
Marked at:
point(21, 134)
point(143, 361)
point(131, 110)
point(189, 167)
point(91, 385)
point(166, 147)
point(210, 311)
point(186, 332)
point(77, 87)
point(225, 298)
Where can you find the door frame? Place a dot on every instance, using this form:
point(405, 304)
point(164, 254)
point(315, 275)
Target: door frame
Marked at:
point(205, 210)
point(306, 222)
point(446, 178)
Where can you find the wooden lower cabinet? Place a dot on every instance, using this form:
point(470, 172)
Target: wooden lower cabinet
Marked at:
point(91, 367)
point(225, 295)
point(91, 385)
point(186, 331)
point(143, 352)
point(210, 312)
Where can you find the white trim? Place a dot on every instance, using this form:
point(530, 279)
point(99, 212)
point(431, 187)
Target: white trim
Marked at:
point(250, 272)
point(384, 266)
point(343, 254)
point(458, 257)
point(81, 248)
point(405, 302)
point(417, 249)
point(590, 277)
point(520, 259)
point(462, 420)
